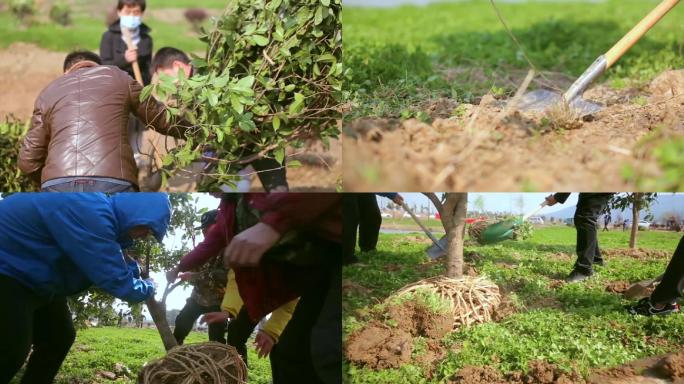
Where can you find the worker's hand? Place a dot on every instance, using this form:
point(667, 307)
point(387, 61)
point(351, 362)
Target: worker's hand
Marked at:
point(398, 199)
point(264, 343)
point(248, 247)
point(214, 317)
point(172, 275)
point(131, 55)
point(187, 276)
point(551, 200)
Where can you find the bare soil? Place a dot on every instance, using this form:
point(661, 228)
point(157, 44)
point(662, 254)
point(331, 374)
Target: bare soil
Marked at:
point(379, 347)
point(482, 147)
point(640, 253)
point(618, 287)
point(539, 372)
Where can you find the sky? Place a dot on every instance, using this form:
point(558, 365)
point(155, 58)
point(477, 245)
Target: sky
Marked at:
point(496, 202)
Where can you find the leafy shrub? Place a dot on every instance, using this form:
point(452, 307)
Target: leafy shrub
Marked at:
point(60, 13)
point(271, 77)
point(196, 16)
point(22, 9)
point(11, 133)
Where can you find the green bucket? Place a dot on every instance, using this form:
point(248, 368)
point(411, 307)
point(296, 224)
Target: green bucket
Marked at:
point(501, 231)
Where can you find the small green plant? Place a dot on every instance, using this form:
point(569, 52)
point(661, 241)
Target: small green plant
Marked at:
point(23, 9)
point(12, 132)
point(60, 13)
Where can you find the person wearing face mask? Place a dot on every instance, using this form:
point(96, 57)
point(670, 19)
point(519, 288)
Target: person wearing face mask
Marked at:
point(57, 245)
point(113, 48)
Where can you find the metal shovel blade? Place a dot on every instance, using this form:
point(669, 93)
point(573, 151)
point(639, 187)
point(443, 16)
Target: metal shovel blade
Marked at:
point(542, 99)
point(438, 250)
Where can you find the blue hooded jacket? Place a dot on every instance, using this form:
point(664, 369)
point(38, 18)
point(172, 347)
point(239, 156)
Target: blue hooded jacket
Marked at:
point(59, 244)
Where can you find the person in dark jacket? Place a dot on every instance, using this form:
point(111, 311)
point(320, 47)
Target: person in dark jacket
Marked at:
point(113, 48)
point(309, 349)
point(362, 216)
point(666, 297)
point(78, 141)
point(589, 208)
point(57, 245)
point(170, 62)
point(209, 284)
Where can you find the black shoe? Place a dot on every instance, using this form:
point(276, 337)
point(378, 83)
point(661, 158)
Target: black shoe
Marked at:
point(645, 308)
point(576, 276)
point(599, 262)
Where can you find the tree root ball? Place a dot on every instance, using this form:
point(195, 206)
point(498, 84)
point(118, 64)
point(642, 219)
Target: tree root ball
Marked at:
point(471, 300)
point(201, 363)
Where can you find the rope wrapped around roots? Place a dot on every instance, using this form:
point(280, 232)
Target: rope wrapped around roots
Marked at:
point(472, 300)
point(201, 363)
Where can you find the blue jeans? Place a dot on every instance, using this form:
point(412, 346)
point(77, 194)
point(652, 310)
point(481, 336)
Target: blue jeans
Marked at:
point(89, 184)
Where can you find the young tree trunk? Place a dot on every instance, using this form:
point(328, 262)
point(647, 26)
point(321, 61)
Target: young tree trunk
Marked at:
point(158, 312)
point(455, 210)
point(636, 206)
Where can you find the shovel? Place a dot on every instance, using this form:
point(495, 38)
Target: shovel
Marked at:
point(542, 99)
point(129, 43)
point(494, 233)
point(642, 288)
point(439, 248)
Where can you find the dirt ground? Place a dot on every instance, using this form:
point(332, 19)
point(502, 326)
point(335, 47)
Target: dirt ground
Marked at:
point(487, 148)
point(26, 69)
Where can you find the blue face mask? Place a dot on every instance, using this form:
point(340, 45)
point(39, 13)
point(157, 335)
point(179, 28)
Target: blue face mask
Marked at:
point(130, 22)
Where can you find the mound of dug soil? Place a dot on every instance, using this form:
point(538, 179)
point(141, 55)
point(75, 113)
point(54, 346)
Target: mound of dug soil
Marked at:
point(484, 147)
point(640, 253)
point(379, 347)
point(420, 321)
point(618, 287)
point(540, 372)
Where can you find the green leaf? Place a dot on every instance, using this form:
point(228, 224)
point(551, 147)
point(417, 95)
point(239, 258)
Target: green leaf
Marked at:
point(245, 83)
point(276, 123)
point(279, 155)
point(260, 40)
point(236, 104)
point(325, 2)
point(146, 92)
point(294, 164)
point(298, 105)
point(213, 99)
point(318, 17)
point(247, 125)
point(219, 136)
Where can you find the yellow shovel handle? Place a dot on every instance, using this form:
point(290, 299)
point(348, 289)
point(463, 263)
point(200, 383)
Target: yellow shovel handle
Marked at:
point(136, 66)
point(638, 31)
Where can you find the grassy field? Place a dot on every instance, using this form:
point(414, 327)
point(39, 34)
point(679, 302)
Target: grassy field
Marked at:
point(88, 26)
point(401, 57)
point(100, 349)
point(579, 326)
point(405, 222)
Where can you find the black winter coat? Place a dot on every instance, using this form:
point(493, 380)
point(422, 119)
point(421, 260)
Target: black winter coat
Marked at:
point(113, 49)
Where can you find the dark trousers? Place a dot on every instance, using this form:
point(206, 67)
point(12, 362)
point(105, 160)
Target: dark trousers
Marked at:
point(188, 316)
point(670, 288)
point(239, 331)
point(589, 207)
point(36, 323)
point(362, 215)
point(298, 357)
point(271, 173)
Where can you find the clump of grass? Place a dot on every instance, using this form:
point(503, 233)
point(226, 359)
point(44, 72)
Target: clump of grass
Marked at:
point(561, 116)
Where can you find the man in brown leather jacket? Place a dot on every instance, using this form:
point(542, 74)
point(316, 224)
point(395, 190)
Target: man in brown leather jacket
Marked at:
point(78, 137)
